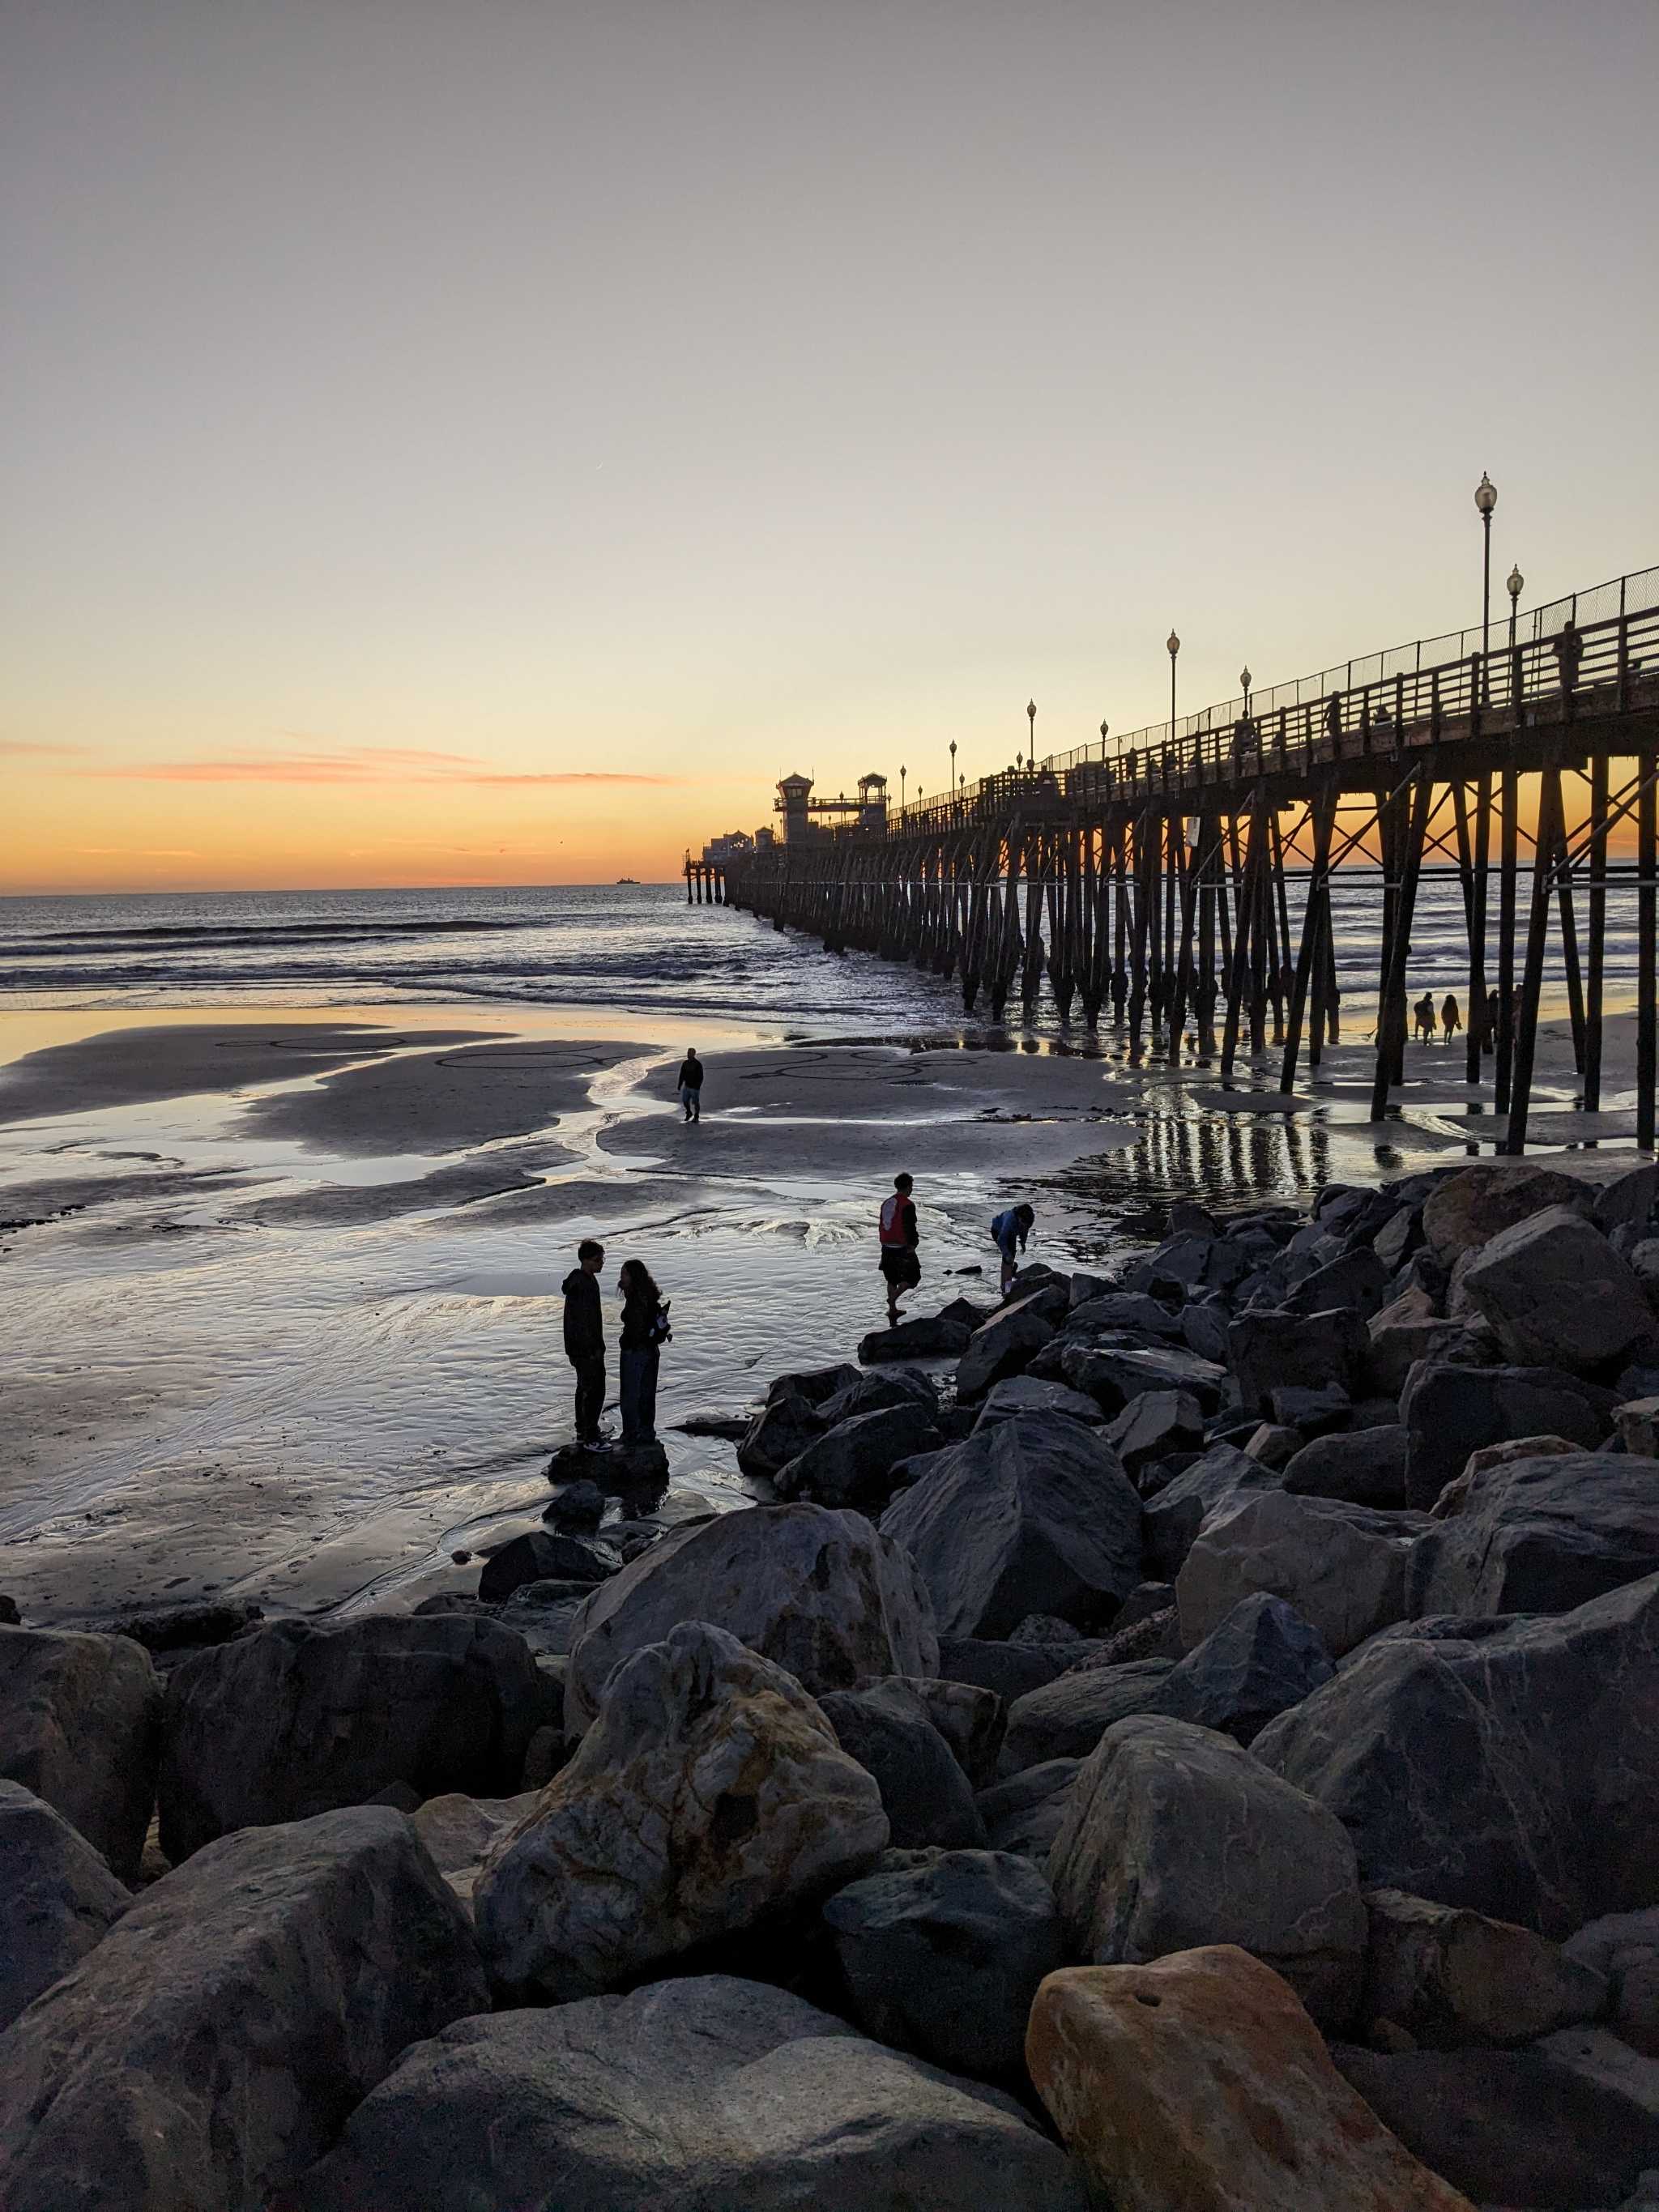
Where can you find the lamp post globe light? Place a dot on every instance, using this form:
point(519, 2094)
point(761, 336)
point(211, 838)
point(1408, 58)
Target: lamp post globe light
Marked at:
point(1174, 644)
point(950, 787)
point(901, 787)
point(1030, 742)
point(1244, 686)
point(1485, 498)
point(1103, 728)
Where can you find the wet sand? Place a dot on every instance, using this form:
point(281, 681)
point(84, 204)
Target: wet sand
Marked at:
point(283, 1320)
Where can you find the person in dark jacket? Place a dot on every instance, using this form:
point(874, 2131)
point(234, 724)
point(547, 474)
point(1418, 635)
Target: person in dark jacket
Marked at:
point(584, 1341)
point(1009, 1232)
point(645, 1330)
point(690, 1080)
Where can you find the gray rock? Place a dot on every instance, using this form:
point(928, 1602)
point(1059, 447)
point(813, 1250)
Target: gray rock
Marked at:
point(1341, 1567)
point(1002, 1345)
point(819, 1593)
point(1450, 1411)
point(1358, 1280)
point(214, 2043)
point(1274, 1445)
point(1477, 1202)
point(1125, 1312)
point(969, 1718)
point(1114, 1374)
point(1554, 1290)
point(1026, 1394)
point(1540, 1535)
point(580, 1505)
point(1256, 1663)
point(1314, 1412)
point(1510, 1766)
point(1155, 1423)
point(1272, 1350)
point(854, 1463)
point(1023, 1813)
point(296, 1719)
point(871, 1393)
point(1010, 1670)
point(1411, 1328)
point(780, 1431)
point(816, 1385)
point(58, 1898)
point(630, 1471)
point(925, 1790)
point(185, 1627)
point(80, 1719)
point(943, 1956)
point(696, 2095)
point(460, 1832)
point(1450, 1977)
point(1623, 1949)
point(1174, 1838)
point(1035, 1513)
point(1173, 1518)
point(1067, 1719)
point(925, 1337)
point(1637, 1423)
point(540, 1555)
point(709, 1797)
point(1204, 1330)
point(1363, 1466)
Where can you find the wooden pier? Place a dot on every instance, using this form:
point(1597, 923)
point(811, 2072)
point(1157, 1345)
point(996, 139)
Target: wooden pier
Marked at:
point(1150, 886)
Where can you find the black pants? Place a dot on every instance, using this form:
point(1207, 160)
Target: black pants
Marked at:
point(639, 1395)
point(590, 1396)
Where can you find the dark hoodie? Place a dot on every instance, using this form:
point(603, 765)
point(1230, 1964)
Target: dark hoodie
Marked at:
point(584, 1319)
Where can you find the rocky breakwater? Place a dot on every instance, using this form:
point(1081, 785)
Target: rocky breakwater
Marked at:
point(1188, 1738)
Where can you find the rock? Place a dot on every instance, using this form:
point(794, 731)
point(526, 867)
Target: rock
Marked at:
point(1114, 1374)
point(1314, 1412)
point(1468, 1208)
point(1363, 1466)
point(296, 1719)
point(1025, 1393)
point(1272, 1350)
point(1010, 1670)
point(1510, 1765)
point(816, 1385)
point(1067, 1719)
point(537, 1556)
point(58, 1898)
point(1409, 1329)
point(1155, 1423)
point(1637, 1424)
point(780, 1431)
point(710, 1421)
point(1358, 1280)
point(709, 1797)
point(1271, 1445)
point(1459, 1491)
point(852, 1464)
point(214, 2041)
point(925, 1791)
point(970, 1719)
point(545, 1614)
point(1204, 1330)
point(79, 1721)
point(700, 2093)
point(1024, 1813)
point(1399, 1237)
point(460, 1831)
point(944, 1956)
point(1554, 1292)
point(1174, 1836)
point(1200, 2081)
point(925, 1337)
point(1036, 1512)
point(186, 1627)
point(1342, 1567)
point(1450, 1977)
point(1001, 1346)
point(1172, 1518)
point(1622, 1187)
point(1540, 1535)
point(1622, 1947)
point(1259, 1662)
point(1512, 2125)
point(10, 1616)
point(579, 1505)
point(819, 1593)
point(1124, 1312)
point(873, 1394)
point(1450, 1412)
point(1042, 1632)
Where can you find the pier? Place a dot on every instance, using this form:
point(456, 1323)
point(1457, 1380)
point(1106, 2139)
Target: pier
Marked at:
point(1150, 883)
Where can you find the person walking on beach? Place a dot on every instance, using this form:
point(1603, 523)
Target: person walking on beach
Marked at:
point(1423, 1018)
point(645, 1331)
point(690, 1080)
point(900, 1267)
point(1009, 1229)
point(584, 1341)
point(1451, 1016)
point(1489, 1042)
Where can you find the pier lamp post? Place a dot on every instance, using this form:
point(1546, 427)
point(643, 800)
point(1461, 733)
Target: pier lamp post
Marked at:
point(950, 787)
point(1244, 685)
point(1485, 498)
point(1030, 742)
point(1174, 644)
point(901, 787)
point(1514, 584)
point(1103, 728)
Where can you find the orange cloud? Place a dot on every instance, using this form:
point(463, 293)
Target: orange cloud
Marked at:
point(18, 746)
point(359, 764)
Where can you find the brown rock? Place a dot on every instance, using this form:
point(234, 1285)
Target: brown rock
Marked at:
point(1408, 1330)
point(1454, 1497)
point(1554, 1292)
point(1450, 1977)
point(1479, 1202)
point(1200, 2083)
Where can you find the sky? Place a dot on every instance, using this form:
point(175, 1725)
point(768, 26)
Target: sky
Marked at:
point(491, 443)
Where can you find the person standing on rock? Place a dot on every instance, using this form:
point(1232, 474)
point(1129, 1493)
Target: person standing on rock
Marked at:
point(584, 1341)
point(645, 1330)
point(900, 1267)
point(690, 1081)
point(1009, 1231)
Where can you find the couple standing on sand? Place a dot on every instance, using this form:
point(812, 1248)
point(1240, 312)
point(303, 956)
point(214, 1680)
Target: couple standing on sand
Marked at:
point(901, 1267)
point(645, 1330)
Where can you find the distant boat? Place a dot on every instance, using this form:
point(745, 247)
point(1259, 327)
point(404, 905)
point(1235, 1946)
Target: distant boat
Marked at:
point(627, 879)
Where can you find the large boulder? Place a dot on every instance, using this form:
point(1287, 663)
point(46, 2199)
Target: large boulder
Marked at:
point(1356, 1279)
point(1114, 1374)
point(852, 1464)
point(1154, 1425)
point(925, 1336)
point(1199, 2082)
point(1175, 1513)
point(58, 1898)
point(1258, 1661)
point(1507, 1764)
point(1450, 1977)
point(1449, 1412)
point(1002, 1345)
point(1478, 1202)
point(817, 1592)
point(925, 1789)
point(1174, 1836)
point(80, 1719)
point(1035, 1515)
point(1553, 1292)
point(968, 1716)
point(1540, 1535)
point(943, 1952)
point(1068, 1718)
point(1024, 1813)
point(703, 2094)
point(1361, 1467)
point(546, 1555)
point(461, 1832)
point(780, 1431)
point(1341, 1567)
point(296, 1719)
point(1411, 1328)
point(1009, 1670)
point(1275, 1350)
point(213, 2043)
point(1623, 1949)
point(709, 1797)
point(1029, 1394)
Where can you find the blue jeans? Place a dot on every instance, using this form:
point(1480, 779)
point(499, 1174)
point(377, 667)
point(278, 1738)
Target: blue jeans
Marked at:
point(639, 1395)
